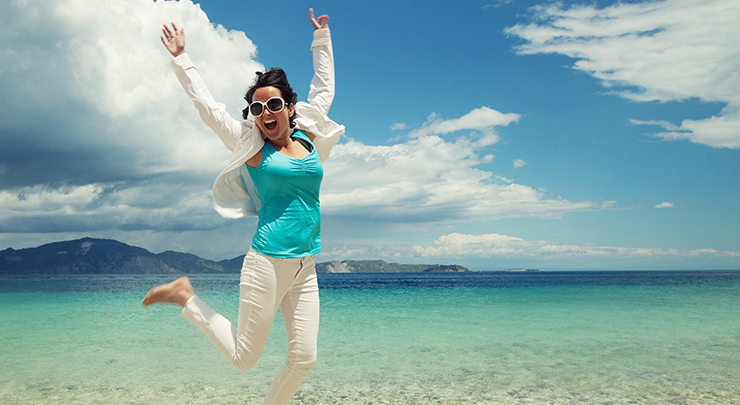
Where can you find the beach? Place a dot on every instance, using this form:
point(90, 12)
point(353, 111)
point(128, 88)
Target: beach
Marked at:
point(387, 339)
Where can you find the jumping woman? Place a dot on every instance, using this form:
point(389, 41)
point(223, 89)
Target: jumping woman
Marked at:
point(274, 172)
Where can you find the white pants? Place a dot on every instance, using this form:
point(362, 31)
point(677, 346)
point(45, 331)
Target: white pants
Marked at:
point(267, 284)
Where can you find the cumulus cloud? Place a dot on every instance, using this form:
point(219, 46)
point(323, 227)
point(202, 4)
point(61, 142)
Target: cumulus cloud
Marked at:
point(96, 130)
point(429, 179)
point(488, 245)
point(665, 205)
point(670, 50)
point(397, 126)
point(519, 163)
point(98, 207)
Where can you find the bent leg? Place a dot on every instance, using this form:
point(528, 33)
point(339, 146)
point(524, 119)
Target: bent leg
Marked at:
point(300, 311)
point(243, 345)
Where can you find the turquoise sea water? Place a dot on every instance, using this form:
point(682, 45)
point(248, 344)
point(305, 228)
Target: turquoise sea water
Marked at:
point(491, 338)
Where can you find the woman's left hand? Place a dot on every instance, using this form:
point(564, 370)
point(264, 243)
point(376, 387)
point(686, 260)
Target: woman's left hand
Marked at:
point(322, 22)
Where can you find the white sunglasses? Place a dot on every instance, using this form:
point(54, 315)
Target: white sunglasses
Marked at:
point(274, 104)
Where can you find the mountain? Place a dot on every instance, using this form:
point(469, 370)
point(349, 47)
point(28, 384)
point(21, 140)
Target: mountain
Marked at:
point(100, 256)
point(106, 256)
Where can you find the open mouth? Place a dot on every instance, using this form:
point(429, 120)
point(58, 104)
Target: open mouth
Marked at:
point(270, 124)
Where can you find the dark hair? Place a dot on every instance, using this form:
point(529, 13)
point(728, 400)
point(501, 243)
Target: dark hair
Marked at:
point(277, 78)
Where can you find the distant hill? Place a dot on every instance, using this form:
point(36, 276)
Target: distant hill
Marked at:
point(106, 256)
point(102, 256)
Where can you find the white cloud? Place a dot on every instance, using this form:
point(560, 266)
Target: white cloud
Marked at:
point(665, 205)
point(495, 252)
point(478, 119)
point(429, 179)
point(519, 163)
point(97, 207)
point(669, 50)
point(486, 138)
point(397, 126)
point(497, 4)
point(488, 245)
point(97, 131)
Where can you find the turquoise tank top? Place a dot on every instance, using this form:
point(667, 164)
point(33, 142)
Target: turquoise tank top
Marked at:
point(289, 219)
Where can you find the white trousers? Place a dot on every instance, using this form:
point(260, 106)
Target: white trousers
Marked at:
point(267, 284)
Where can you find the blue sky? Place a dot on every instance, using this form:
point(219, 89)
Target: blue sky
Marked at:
point(491, 134)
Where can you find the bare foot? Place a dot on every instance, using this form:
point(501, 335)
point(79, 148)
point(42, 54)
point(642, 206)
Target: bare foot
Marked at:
point(177, 292)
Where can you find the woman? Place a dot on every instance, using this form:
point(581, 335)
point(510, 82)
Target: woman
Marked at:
point(274, 172)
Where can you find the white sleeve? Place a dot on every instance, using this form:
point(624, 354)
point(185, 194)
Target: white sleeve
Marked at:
point(321, 93)
point(212, 113)
point(313, 116)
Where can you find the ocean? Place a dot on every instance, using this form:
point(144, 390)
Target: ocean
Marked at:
point(628, 337)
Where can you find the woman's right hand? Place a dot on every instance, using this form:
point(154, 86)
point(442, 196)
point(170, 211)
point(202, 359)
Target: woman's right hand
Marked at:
point(174, 42)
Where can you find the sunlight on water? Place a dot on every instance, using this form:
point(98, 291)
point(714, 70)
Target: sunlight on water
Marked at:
point(563, 344)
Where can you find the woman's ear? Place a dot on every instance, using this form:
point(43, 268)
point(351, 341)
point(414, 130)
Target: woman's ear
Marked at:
point(291, 110)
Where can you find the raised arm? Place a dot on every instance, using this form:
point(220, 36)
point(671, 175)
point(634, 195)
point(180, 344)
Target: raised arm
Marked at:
point(321, 93)
point(212, 113)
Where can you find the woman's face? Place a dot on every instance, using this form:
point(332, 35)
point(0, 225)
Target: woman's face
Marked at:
point(273, 125)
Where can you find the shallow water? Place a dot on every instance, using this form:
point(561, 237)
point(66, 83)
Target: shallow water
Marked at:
point(493, 338)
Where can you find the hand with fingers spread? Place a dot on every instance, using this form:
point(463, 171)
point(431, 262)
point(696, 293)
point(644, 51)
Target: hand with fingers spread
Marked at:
point(322, 21)
point(173, 40)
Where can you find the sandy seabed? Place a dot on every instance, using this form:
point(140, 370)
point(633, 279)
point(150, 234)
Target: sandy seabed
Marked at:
point(408, 390)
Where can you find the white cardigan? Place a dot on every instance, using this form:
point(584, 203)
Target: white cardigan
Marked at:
point(233, 193)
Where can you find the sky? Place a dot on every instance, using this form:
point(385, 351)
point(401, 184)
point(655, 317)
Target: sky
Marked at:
point(493, 134)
